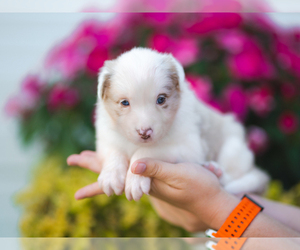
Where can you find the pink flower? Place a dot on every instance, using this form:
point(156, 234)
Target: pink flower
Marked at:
point(69, 58)
point(160, 42)
point(185, 50)
point(216, 104)
point(201, 86)
point(257, 139)
point(96, 59)
point(32, 85)
point(233, 41)
point(209, 22)
point(62, 97)
point(250, 63)
point(20, 104)
point(261, 100)
point(288, 123)
point(247, 60)
point(236, 101)
point(72, 55)
point(288, 57)
point(13, 106)
point(26, 100)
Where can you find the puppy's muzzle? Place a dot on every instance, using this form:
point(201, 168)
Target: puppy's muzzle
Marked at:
point(145, 133)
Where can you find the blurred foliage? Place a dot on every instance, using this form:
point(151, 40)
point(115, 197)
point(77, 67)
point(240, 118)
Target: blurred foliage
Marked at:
point(50, 208)
point(276, 192)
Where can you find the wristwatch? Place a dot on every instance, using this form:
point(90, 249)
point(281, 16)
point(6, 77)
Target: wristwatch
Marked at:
point(235, 225)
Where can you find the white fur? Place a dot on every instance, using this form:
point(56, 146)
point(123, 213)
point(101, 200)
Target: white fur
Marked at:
point(192, 133)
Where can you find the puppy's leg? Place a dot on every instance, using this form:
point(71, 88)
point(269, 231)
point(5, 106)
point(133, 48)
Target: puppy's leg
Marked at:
point(112, 177)
point(255, 181)
point(239, 173)
point(235, 159)
point(136, 185)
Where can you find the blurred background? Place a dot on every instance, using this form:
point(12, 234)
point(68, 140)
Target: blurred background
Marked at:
point(243, 63)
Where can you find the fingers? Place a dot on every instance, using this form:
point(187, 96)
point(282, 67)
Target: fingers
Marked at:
point(88, 152)
point(86, 159)
point(88, 191)
point(214, 168)
point(153, 168)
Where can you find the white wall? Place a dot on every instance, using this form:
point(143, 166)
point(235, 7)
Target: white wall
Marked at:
point(24, 41)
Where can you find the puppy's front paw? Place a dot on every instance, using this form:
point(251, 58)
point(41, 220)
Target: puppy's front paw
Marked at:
point(112, 181)
point(136, 186)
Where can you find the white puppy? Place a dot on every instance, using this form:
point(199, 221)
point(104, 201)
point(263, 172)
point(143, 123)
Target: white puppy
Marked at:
point(146, 109)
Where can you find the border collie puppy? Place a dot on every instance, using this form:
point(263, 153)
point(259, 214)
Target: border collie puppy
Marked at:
point(145, 108)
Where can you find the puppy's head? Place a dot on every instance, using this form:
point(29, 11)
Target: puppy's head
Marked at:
point(141, 92)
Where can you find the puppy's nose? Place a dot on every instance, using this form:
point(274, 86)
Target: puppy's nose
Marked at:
point(145, 133)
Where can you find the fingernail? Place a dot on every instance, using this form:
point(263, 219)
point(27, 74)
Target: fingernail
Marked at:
point(72, 159)
point(79, 195)
point(140, 168)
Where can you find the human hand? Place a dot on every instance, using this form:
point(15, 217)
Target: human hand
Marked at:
point(183, 189)
point(177, 216)
point(181, 217)
point(192, 190)
point(168, 212)
point(89, 160)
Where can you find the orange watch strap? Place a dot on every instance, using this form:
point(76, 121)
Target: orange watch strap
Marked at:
point(239, 219)
point(230, 244)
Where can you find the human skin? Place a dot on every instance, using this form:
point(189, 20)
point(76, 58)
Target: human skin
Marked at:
point(190, 196)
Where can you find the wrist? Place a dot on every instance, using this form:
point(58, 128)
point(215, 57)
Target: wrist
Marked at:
point(220, 207)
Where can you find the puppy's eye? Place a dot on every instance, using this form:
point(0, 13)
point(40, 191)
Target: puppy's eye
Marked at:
point(125, 103)
point(161, 100)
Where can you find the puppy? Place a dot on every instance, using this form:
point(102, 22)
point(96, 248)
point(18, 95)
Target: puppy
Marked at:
point(146, 109)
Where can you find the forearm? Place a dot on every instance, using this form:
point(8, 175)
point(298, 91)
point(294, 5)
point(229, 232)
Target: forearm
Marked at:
point(286, 214)
point(265, 226)
point(262, 225)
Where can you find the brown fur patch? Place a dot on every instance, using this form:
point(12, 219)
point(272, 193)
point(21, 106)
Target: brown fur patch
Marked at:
point(169, 88)
point(174, 77)
point(112, 109)
point(105, 86)
point(109, 102)
point(173, 74)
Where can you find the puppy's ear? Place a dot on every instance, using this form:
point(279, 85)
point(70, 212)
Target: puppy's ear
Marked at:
point(177, 71)
point(105, 86)
point(104, 79)
point(173, 74)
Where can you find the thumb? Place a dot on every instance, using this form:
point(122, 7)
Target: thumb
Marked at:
point(154, 168)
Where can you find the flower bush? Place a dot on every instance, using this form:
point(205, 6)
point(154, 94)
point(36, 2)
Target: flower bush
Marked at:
point(52, 211)
point(239, 63)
